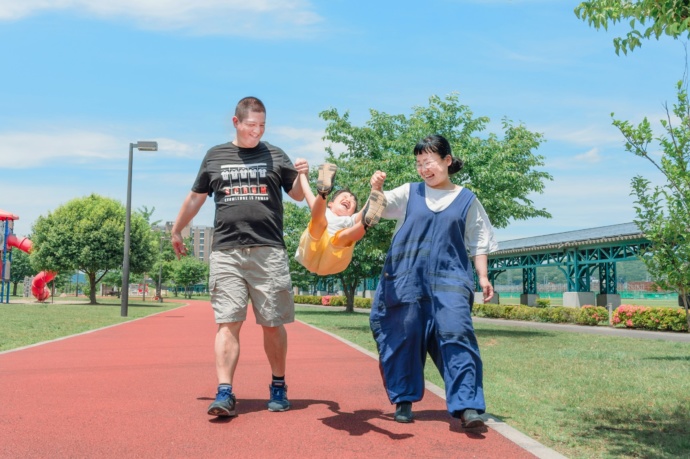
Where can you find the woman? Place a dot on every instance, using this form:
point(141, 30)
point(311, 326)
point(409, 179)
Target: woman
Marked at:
point(424, 300)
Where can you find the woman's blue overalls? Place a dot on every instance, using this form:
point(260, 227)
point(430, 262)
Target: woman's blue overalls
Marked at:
point(423, 305)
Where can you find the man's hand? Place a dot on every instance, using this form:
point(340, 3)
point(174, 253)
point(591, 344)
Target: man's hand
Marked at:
point(178, 245)
point(302, 166)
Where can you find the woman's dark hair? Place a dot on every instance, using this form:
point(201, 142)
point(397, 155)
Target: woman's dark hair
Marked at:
point(438, 144)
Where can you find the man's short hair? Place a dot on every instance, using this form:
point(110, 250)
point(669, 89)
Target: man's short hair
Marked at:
point(249, 104)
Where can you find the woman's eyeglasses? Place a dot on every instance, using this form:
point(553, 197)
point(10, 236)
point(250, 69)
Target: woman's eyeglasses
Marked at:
point(428, 164)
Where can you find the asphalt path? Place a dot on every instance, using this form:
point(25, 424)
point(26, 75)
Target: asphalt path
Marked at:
point(141, 389)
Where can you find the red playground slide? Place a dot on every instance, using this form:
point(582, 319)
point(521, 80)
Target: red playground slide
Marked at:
point(39, 286)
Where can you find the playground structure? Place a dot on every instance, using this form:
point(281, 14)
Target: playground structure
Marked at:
point(39, 284)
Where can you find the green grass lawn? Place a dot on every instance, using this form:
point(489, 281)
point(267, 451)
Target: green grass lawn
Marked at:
point(24, 324)
point(585, 396)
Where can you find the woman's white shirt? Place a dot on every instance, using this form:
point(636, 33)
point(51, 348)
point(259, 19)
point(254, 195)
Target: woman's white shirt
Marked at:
point(479, 234)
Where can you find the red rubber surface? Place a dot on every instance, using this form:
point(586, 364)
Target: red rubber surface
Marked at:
point(141, 389)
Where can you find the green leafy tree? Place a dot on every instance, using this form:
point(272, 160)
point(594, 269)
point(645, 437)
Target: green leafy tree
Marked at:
point(87, 234)
point(113, 278)
point(189, 271)
point(21, 268)
point(500, 170)
point(147, 214)
point(663, 211)
point(165, 258)
point(295, 221)
point(647, 19)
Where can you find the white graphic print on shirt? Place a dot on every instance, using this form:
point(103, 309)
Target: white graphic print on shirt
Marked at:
point(246, 182)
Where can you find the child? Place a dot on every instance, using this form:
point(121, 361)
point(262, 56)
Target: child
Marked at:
point(326, 246)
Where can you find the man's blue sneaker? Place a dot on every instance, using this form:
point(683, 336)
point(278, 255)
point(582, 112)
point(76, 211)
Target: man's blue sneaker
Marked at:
point(224, 404)
point(278, 401)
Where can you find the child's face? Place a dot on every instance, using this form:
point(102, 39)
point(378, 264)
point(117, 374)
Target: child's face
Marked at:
point(343, 205)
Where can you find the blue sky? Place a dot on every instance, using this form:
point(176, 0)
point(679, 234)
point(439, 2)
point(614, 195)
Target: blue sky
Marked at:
point(81, 79)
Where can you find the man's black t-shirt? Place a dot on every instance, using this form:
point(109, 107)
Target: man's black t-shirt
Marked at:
point(247, 185)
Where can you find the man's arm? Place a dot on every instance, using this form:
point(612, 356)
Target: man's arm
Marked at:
point(190, 207)
point(297, 193)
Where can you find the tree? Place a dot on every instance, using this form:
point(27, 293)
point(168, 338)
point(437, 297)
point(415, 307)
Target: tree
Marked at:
point(663, 211)
point(499, 170)
point(648, 18)
point(86, 234)
point(188, 271)
point(295, 221)
point(165, 260)
point(21, 268)
point(147, 214)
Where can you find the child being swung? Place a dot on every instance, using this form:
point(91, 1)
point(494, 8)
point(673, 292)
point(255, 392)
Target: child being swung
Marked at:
point(327, 244)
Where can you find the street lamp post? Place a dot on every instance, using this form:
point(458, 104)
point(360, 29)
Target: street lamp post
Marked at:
point(160, 268)
point(141, 146)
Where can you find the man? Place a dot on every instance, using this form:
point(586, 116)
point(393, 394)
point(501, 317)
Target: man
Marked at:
point(248, 260)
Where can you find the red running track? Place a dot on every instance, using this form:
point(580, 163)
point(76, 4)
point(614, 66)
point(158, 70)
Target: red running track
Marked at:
point(140, 389)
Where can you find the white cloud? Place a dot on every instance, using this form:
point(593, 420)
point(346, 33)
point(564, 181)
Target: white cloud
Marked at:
point(576, 203)
point(23, 150)
point(303, 143)
point(591, 135)
point(19, 150)
point(205, 17)
point(179, 149)
point(592, 156)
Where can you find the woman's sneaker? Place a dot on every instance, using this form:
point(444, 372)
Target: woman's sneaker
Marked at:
point(278, 401)
point(403, 412)
point(373, 211)
point(324, 183)
point(224, 404)
point(471, 419)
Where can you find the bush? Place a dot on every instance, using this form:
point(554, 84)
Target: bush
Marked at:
point(588, 315)
point(338, 300)
point(364, 303)
point(307, 299)
point(666, 319)
point(332, 300)
point(630, 316)
point(507, 311)
point(543, 303)
point(559, 314)
point(490, 310)
point(524, 313)
point(592, 315)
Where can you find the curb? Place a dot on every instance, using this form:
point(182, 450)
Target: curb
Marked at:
point(528, 444)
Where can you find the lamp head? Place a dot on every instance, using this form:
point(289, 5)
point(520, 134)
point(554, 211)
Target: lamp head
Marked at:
point(145, 145)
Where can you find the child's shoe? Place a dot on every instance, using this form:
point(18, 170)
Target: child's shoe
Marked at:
point(324, 184)
point(374, 209)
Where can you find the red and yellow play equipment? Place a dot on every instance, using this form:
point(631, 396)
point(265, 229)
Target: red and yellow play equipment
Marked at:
point(39, 285)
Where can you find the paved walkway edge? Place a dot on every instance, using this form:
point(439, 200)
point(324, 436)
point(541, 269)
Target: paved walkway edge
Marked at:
point(514, 435)
point(86, 332)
